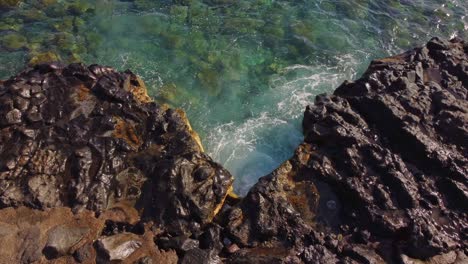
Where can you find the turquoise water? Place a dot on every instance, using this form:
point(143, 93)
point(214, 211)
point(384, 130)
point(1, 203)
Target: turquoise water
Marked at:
point(242, 70)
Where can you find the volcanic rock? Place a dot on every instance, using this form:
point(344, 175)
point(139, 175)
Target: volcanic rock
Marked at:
point(382, 171)
point(90, 138)
point(118, 247)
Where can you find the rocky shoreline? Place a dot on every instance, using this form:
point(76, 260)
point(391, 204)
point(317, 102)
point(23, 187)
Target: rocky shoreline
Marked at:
point(93, 171)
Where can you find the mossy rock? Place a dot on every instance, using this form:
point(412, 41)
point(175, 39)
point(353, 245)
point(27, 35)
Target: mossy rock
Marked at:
point(273, 31)
point(65, 24)
point(210, 80)
point(79, 24)
point(179, 13)
point(46, 3)
point(6, 4)
point(146, 4)
point(328, 6)
point(64, 40)
point(79, 8)
point(173, 41)
point(33, 15)
point(58, 10)
point(11, 24)
point(167, 93)
point(13, 41)
point(93, 40)
point(73, 57)
point(243, 25)
point(44, 57)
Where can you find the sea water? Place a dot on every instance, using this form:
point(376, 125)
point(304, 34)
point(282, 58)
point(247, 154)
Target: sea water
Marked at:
point(243, 70)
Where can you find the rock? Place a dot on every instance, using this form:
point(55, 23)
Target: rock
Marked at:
point(270, 204)
point(13, 117)
point(7, 4)
point(13, 41)
point(181, 244)
point(383, 162)
point(84, 254)
point(211, 238)
point(44, 57)
point(453, 257)
point(200, 256)
point(262, 255)
point(30, 235)
point(118, 247)
point(100, 142)
point(61, 239)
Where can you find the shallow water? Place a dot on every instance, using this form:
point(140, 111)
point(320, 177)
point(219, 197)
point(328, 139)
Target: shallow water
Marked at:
point(244, 70)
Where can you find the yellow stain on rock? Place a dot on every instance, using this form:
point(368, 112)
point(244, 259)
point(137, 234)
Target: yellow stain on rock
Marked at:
point(126, 131)
point(220, 205)
point(192, 132)
point(137, 87)
point(83, 93)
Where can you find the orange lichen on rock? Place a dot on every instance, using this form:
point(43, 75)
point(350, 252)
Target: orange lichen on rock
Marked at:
point(82, 92)
point(220, 205)
point(26, 231)
point(400, 58)
point(137, 87)
point(194, 134)
point(304, 197)
point(126, 131)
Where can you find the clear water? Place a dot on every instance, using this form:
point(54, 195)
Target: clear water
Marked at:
point(243, 70)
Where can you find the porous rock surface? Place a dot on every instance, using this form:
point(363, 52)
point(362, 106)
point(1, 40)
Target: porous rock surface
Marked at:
point(89, 138)
point(381, 176)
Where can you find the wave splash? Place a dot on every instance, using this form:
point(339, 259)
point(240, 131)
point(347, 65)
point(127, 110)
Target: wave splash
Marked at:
point(255, 146)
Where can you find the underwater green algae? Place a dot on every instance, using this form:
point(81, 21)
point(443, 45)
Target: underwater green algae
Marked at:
point(244, 70)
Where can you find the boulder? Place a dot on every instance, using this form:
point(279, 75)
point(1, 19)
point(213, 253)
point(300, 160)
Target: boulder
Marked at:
point(91, 138)
point(118, 247)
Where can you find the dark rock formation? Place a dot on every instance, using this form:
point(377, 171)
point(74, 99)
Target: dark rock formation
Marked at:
point(90, 138)
point(382, 175)
point(92, 171)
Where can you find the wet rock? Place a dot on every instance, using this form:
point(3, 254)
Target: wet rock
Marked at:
point(118, 247)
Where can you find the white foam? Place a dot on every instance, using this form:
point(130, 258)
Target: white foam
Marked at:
point(259, 144)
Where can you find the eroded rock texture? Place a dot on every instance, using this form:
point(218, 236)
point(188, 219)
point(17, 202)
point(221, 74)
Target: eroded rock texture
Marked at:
point(89, 138)
point(382, 175)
